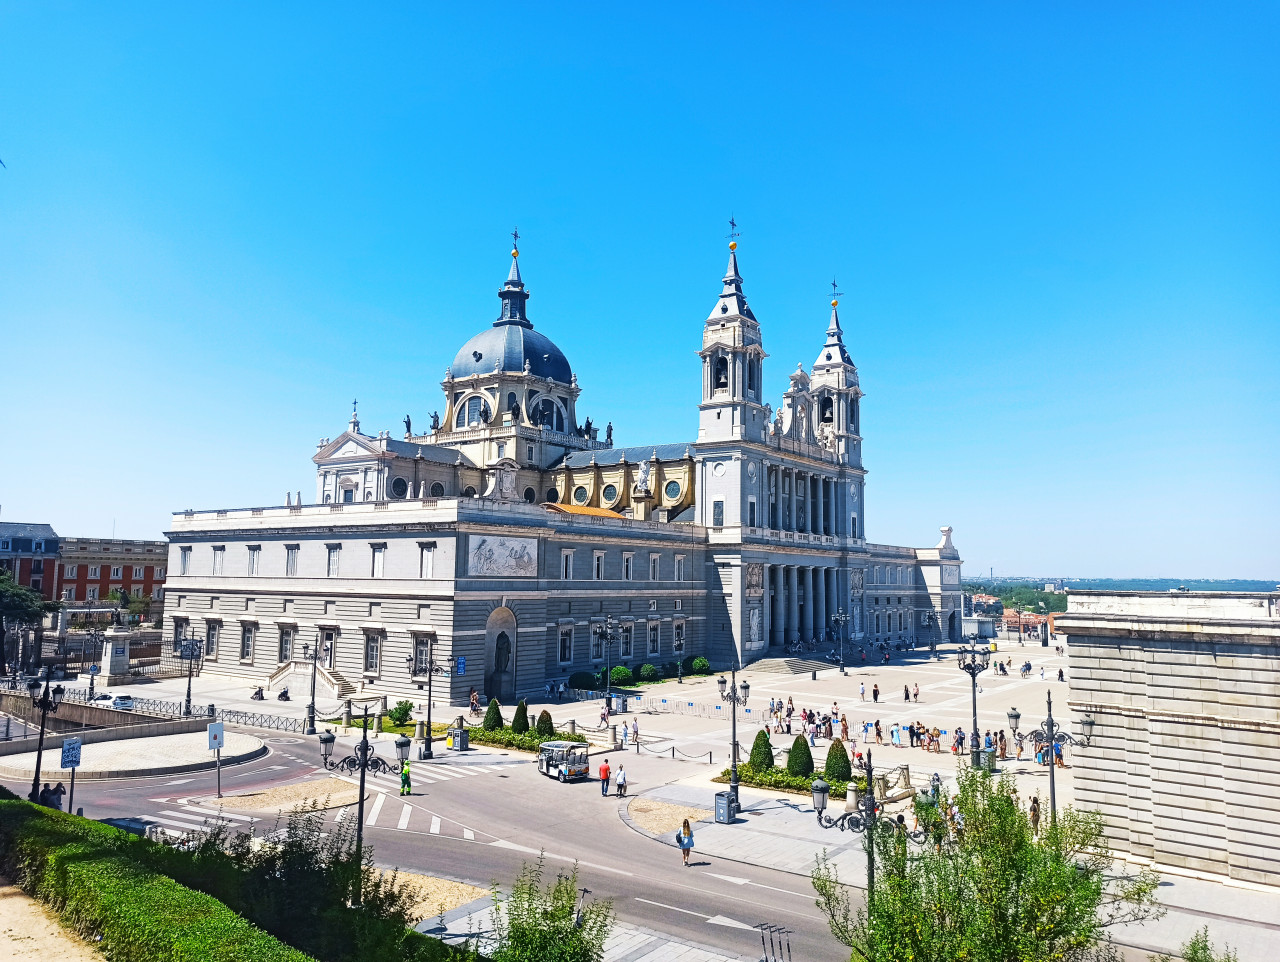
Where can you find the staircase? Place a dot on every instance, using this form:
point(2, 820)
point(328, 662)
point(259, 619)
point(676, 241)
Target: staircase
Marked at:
point(794, 666)
point(341, 688)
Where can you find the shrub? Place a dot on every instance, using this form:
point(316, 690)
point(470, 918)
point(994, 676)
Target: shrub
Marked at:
point(528, 742)
point(762, 752)
point(671, 669)
point(547, 924)
point(779, 779)
point(701, 666)
point(584, 680)
point(401, 713)
point(650, 673)
point(492, 716)
point(520, 721)
point(621, 675)
point(837, 767)
point(546, 727)
point(800, 761)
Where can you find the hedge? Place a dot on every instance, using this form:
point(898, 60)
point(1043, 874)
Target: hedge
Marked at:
point(85, 871)
point(700, 666)
point(650, 673)
point(585, 681)
point(530, 741)
point(621, 675)
point(782, 780)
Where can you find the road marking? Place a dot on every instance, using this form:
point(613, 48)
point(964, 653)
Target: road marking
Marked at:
point(179, 781)
point(377, 808)
point(730, 923)
point(746, 881)
point(730, 878)
point(503, 843)
point(404, 817)
point(224, 815)
point(258, 771)
point(441, 771)
point(469, 835)
point(187, 826)
point(435, 824)
point(663, 905)
point(343, 814)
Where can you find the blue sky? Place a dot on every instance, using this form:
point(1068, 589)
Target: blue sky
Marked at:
point(1055, 227)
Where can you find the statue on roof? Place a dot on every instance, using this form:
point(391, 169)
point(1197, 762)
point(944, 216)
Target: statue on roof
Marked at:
point(586, 430)
point(408, 427)
point(435, 420)
point(608, 434)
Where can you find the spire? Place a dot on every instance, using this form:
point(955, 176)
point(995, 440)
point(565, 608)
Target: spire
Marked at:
point(513, 294)
point(732, 302)
point(833, 351)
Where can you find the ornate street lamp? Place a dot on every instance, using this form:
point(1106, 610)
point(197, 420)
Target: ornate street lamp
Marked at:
point(608, 631)
point(47, 701)
point(94, 639)
point(735, 694)
point(1051, 734)
point(973, 661)
point(433, 668)
point(840, 619)
point(363, 760)
point(313, 653)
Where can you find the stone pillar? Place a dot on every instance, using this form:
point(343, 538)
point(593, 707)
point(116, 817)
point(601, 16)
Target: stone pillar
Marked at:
point(806, 619)
point(346, 714)
point(792, 525)
point(793, 603)
point(820, 619)
point(819, 514)
point(766, 606)
point(779, 636)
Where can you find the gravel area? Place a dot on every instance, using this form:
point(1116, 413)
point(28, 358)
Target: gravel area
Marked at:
point(326, 793)
point(663, 817)
point(29, 930)
point(432, 893)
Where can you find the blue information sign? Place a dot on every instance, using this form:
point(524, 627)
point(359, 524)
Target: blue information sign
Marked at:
point(462, 665)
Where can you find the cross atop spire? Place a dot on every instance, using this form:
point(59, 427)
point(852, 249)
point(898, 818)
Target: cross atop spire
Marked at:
point(734, 233)
point(354, 424)
point(515, 237)
point(513, 293)
point(833, 352)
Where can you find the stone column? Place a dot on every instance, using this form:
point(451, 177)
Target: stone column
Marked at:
point(793, 603)
point(766, 607)
point(819, 514)
point(820, 602)
point(779, 635)
point(806, 620)
point(794, 477)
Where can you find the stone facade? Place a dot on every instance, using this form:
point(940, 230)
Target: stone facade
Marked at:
point(1185, 762)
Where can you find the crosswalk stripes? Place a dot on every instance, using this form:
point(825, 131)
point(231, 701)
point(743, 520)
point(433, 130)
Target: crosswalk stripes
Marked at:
point(435, 824)
point(405, 813)
point(376, 810)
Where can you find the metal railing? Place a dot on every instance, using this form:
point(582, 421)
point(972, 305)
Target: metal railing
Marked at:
point(682, 706)
point(148, 706)
point(253, 719)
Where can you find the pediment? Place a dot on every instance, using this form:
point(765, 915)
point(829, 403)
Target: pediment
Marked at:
point(346, 447)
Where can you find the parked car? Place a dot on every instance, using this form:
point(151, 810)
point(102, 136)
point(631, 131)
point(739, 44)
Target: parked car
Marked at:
point(103, 696)
point(124, 702)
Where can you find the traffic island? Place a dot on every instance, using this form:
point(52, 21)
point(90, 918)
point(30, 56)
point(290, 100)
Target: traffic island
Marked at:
point(137, 757)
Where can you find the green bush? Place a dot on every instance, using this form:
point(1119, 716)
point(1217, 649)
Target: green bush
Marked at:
point(650, 673)
point(401, 713)
point(621, 675)
point(800, 761)
point(584, 681)
point(762, 752)
point(779, 779)
point(546, 727)
point(701, 666)
point(837, 767)
point(527, 742)
point(520, 721)
point(671, 669)
point(492, 716)
point(538, 924)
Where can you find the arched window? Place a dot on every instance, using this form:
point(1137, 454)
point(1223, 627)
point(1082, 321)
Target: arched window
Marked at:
point(722, 374)
point(826, 410)
point(399, 487)
point(327, 498)
point(437, 490)
point(549, 414)
point(468, 492)
point(368, 495)
point(530, 495)
point(553, 495)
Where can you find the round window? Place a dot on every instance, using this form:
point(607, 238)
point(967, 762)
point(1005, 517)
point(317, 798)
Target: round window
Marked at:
point(530, 495)
point(553, 495)
point(580, 494)
point(673, 490)
point(469, 492)
point(399, 487)
point(437, 490)
point(610, 493)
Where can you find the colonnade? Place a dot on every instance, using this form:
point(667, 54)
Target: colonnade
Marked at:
point(801, 501)
point(800, 600)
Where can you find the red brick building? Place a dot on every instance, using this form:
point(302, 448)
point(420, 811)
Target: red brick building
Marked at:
point(29, 553)
point(91, 568)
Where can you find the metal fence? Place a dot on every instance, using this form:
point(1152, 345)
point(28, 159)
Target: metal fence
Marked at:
point(148, 706)
point(253, 719)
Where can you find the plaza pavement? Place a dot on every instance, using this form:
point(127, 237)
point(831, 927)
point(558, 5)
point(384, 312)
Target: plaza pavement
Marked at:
point(161, 754)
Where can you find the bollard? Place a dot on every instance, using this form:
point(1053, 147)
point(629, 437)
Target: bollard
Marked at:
point(346, 714)
point(377, 723)
point(813, 676)
point(613, 736)
point(573, 726)
point(384, 703)
point(213, 711)
point(420, 730)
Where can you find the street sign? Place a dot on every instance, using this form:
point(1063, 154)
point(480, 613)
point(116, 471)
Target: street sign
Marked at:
point(119, 649)
point(215, 736)
point(70, 753)
point(190, 651)
point(462, 664)
point(95, 669)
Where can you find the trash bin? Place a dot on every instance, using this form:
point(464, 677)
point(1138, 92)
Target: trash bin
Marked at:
point(726, 810)
point(457, 739)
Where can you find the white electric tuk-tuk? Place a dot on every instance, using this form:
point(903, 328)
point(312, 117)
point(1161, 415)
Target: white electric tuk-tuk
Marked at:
point(564, 760)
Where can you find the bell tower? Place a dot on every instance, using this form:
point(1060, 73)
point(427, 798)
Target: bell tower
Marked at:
point(732, 355)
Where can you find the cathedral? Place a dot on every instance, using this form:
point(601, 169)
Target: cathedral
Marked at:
point(497, 544)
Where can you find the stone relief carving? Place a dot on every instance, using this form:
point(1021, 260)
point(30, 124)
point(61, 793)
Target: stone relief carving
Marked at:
point(755, 580)
point(516, 557)
point(855, 580)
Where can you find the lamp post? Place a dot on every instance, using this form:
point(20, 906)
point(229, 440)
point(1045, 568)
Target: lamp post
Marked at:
point(313, 652)
point(840, 619)
point(735, 694)
point(433, 669)
point(47, 701)
point(608, 631)
point(190, 652)
point(362, 760)
point(1050, 733)
point(94, 639)
point(974, 661)
point(677, 646)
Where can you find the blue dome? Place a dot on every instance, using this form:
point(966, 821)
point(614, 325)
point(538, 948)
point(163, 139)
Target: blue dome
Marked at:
point(510, 345)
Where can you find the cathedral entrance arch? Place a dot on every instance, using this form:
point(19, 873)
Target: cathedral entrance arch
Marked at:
point(500, 656)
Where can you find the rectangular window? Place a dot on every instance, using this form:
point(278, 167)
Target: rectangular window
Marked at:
point(502, 450)
point(137, 571)
point(751, 512)
point(655, 637)
point(566, 645)
point(421, 655)
point(137, 591)
point(654, 566)
point(426, 559)
point(37, 546)
point(255, 552)
point(628, 563)
point(37, 566)
point(597, 565)
point(159, 573)
point(157, 592)
point(246, 641)
point(91, 593)
point(68, 594)
point(853, 526)
point(37, 584)
point(530, 449)
point(68, 571)
point(626, 641)
point(566, 564)
point(218, 554)
point(184, 563)
point(597, 646)
point(678, 641)
point(4, 545)
point(877, 622)
point(331, 569)
point(372, 649)
point(286, 644)
point(679, 567)
point(717, 514)
point(115, 571)
point(378, 553)
point(291, 561)
point(94, 570)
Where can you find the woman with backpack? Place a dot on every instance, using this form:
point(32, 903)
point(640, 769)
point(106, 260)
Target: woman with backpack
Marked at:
point(684, 838)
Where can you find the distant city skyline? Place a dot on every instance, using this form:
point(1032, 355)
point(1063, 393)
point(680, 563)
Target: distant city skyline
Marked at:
point(1056, 242)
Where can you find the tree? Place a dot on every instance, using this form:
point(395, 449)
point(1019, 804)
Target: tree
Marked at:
point(20, 607)
point(520, 720)
point(761, 752)
point(492, 716)
point(401, 712)
point(800, 761)
point(546, 727)
point(837, 768)
point(993, 892)
point(538, 924)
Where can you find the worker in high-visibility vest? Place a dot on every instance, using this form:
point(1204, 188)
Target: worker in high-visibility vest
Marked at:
point(405, 787)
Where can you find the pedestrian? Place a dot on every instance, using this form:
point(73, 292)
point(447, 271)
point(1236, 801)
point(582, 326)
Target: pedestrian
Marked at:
point(835, 710)
point(1034, 812)
point(626, 733)
point(879, 733)
point(906, 693)
point(43, 797)
point(1002, 745)
point(895, 737)
point(862, 690)
point(621, 781)
point(1042, 672)
point(604, 779)
point(1061, 677)
point(635, 731)
point(813, 734)
point(55, 796)
point(684, 838)
point(844, 730)
point(875, 693)
point(771, 704)
point(1018, 739)
point(1057, 756)
point(405, 787)
point(826, 727)
point(915, 693)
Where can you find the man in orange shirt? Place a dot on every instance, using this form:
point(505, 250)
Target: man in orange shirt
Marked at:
point(604, 778)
